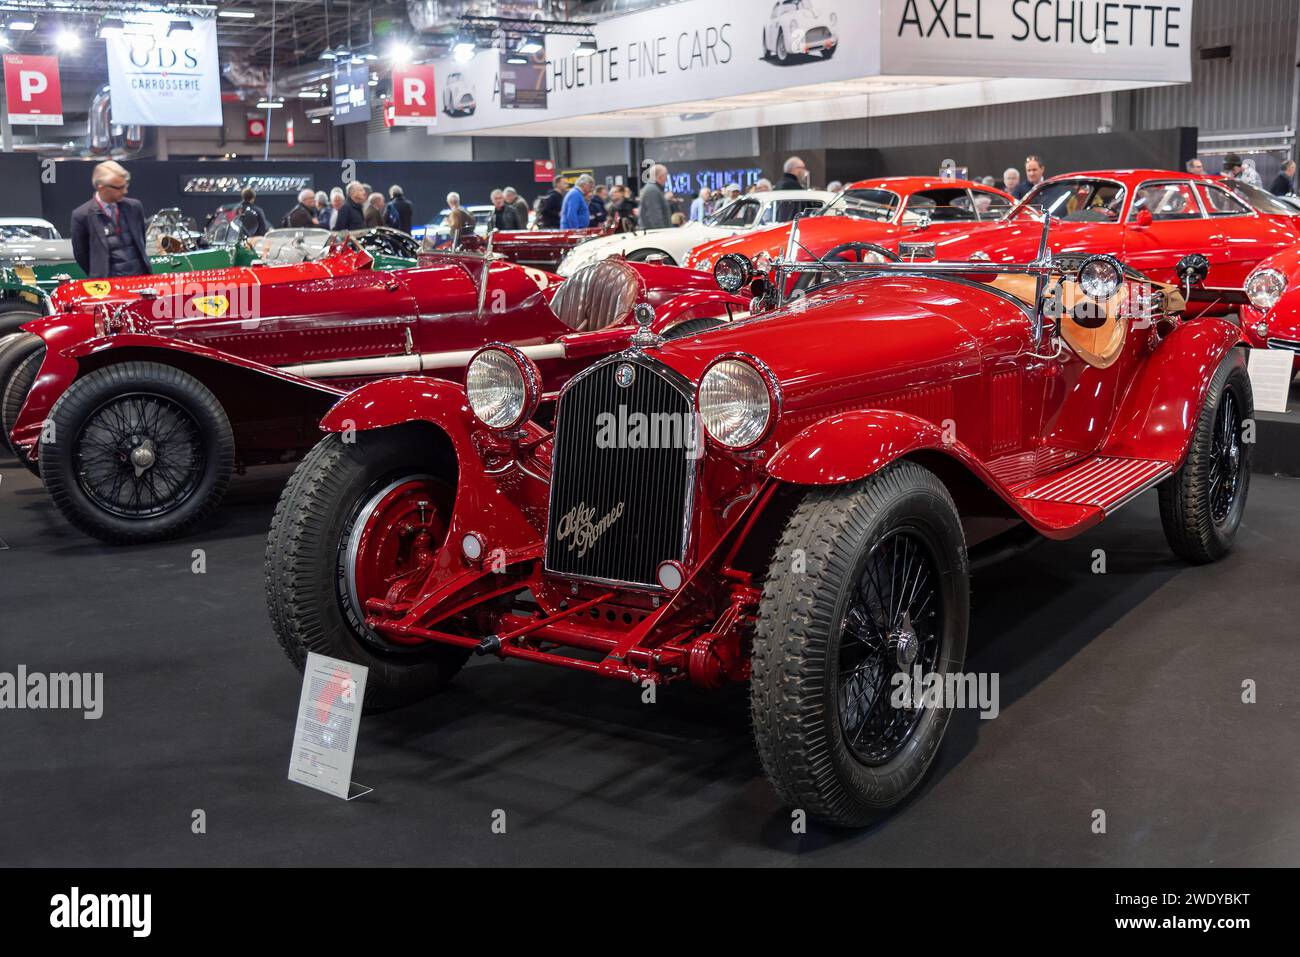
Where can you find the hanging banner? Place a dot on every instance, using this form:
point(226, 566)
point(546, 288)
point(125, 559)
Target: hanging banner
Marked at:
point(165, 77)
point(708, 50)
point(415, 101)
point(523, 85)
point(351, 93)
point(32, 90)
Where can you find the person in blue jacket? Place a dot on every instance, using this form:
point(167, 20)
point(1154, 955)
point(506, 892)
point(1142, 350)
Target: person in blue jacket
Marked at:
point(574, 214)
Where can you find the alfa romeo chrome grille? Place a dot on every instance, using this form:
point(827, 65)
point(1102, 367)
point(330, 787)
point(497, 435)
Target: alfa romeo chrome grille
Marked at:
point(618, 509)
point(1291, 344)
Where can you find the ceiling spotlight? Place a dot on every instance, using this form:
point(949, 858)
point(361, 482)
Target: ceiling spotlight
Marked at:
point(463, 49)
point(179, 26)
point(516, 58)
point(400, 53)
point(586, 46)
point(68, 42)
point(531, 44)
point(110, 27)
point(315, 120)
point(371, 56)
point(269, 105)
point(22, 23)
point(327, 54)
point(4, 41)
point(237, 14)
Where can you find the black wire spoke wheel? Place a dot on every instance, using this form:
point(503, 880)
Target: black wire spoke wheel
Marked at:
point(1225, 459)
point(139, 455)
point(892, 625)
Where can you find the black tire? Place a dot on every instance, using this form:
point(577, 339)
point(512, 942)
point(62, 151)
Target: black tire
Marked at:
point(104, 419)
point(307, 551)
point(13, 353)
point(16, 312)
point(1201, 504)
point(840, 534)
point(12, 397)
point(642, 255)
point(782, 54)
point(693, 327)
point(827, 54)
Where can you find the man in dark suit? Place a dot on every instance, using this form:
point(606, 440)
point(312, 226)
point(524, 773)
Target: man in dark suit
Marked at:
point(1034, 171)
point(108, 231)
point(1284, 185)
point(352, 214)
point(399, 213)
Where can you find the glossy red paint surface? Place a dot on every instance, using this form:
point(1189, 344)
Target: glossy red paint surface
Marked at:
point(1233, 244)
point(541, 248)
point(341, 330)
point(934, 369)
point(827, 231)
point(1279, 327)
point(88, 293)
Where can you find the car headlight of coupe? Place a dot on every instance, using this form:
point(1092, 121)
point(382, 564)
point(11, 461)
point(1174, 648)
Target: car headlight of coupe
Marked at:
point(503, 386)
point(738, 400)
point(1100, 277)
point(1264, 288)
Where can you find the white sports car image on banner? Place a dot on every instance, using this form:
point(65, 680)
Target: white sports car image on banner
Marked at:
point(672, 244)
point(797, 28)
point(457, 96)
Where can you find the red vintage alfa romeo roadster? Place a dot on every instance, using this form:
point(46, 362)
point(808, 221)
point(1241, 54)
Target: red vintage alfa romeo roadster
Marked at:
point(140, 412)
point(725, 507)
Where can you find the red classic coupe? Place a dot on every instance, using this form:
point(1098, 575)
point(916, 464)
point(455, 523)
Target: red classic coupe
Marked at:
point(1272, 319)
point(873, 211)
point(726, 508)
point(140, 412)
point(1149, 218)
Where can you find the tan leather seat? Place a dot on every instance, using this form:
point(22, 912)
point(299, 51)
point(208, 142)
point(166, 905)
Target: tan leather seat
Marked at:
point(597, 296)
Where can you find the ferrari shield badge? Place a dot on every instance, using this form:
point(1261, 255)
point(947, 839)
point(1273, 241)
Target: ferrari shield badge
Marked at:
point(97, 289)
point(215, 306)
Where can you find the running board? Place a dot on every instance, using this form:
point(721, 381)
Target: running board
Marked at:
point(1104, 483)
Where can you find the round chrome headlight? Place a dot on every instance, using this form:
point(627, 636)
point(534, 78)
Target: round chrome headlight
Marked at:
point(1100, 277)
point(738, 401)
point(732, 271)
point(1264, 288)
point(503, 386)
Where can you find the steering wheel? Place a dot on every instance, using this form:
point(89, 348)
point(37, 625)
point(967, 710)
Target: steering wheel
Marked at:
point(860, 249)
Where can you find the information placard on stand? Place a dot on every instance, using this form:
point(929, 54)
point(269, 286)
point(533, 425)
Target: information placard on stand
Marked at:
point(1270, 378)
point(329, 717)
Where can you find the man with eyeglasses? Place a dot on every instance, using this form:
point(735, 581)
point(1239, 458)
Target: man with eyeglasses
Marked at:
point(108, 231)
point(795, 174)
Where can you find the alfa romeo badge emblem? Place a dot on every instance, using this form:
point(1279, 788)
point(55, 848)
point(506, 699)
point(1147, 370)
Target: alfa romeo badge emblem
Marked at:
point(625, 375)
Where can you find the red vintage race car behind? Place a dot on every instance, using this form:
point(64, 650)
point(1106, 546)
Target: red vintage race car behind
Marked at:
point(880, 211)
point(539, 248)
point(140, 412)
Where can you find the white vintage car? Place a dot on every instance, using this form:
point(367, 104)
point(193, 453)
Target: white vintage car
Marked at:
point(23, 227)
point(673, 244)
point(458, 96)
point(795, 27)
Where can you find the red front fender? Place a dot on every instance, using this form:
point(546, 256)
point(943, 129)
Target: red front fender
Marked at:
point(1157, 417)
point(481, 506)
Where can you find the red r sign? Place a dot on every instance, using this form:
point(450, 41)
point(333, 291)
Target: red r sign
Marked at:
point(32, 89)
point(415, 102)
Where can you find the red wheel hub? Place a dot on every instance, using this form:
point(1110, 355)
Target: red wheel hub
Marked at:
point(397, 533)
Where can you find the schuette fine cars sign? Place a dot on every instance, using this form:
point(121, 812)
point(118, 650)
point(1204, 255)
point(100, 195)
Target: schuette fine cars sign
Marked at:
point(1058, 39)
point(720, 48)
